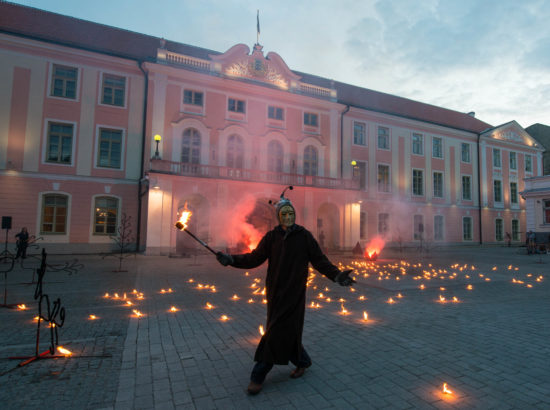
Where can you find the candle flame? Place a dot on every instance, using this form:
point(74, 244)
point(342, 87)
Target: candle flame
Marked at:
point(365, 316)
point(137, 313)
point(446, 389)
point(92, 317)
point(64, 351)
point(173, 309)
point(209, 306)
point(390, 300)
point(261, 329)
point(106, 295)
point(235, 297)
point(22, 306)
point(224, 318)
point(343, 311)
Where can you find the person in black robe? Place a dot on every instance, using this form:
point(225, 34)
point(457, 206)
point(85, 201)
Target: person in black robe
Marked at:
point(289, 248)
point(22, 243)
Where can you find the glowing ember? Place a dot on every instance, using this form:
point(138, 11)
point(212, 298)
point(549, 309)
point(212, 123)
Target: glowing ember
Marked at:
point(261, 329)
point(22, 306)
point(181, 224)
point(137, 313)
point(373, 248)
point(224, 318)
point(209, 306)
point(422, 287)
point(64, 351)
point(469, 287)
point(173, 309)
point(92, 317)
point(446, 389)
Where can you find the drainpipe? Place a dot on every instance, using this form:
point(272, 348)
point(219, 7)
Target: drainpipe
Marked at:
point(479, 190)
point(143, 142)
point(342, 141)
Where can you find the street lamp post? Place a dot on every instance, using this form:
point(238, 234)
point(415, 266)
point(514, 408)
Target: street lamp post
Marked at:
point(157, 138)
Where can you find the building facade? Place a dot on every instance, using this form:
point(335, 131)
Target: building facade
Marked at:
point(83, 103)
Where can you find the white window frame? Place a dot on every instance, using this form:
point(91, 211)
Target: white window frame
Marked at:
point(434, 139)
point(442, 184)
point(54, 237)
point(50, 81)
point(122, 147)
point(495, 151)
point(275, 108)
point(471, 238)
point(47, 121)
point(126, 88)
point(423, 183)
point(513, 160)
point(237, 100)
point(389, 177)
point(495, 191)
point(529, 171)
point(364, 136)
point(421, 145)
point(468, 151)
point(388, 137)
point(501, 230)
point(310, 113)
point(462, 187)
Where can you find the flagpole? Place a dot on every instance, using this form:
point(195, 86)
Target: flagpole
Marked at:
point(258, 27)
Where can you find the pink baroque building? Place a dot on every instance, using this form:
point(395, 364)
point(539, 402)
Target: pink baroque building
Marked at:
point(83, 103)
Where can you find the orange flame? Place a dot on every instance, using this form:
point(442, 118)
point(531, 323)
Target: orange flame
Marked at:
point(22, 306)
point(261, 329)
point(92, 317)
point(446, 390)
point(64, 351)
point(209, 306)
point(173, 309)
point(365, 316)
point(373, 248)
point(224, 318)
point(182, 222)
point(137, 313)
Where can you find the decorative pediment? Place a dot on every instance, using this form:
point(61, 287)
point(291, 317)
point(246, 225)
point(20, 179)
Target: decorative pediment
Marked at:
point(511, 132)
point(237, 62)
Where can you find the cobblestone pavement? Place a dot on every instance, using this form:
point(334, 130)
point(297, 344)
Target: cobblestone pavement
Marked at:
point(491, 347)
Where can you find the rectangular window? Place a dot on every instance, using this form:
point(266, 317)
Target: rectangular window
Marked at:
point(114, 89)
point(64, 81)
point(528, 163)
point(383, 178)
point(418, 144)
point(105, 219)
point(466, 188)
point(59, 147)
point(109, 148)
point(465, 152)
point(234, 105)
point(192, 97)
point(437, 147)
point(54, 214)
point(360, 173)
point(310, 119)
point(513, 160)
point(383, 138)
point(438, 227)
point(514, 192)
point(383, 223)
point(418, 182)
point(467, 228)
point(497, 190)
point(438, 184)
point(546, 210)
point(359, 133)
point(275, 113)
point(418, 221)
point(496, 158)
point(499, 235)
point(515, 229)
point(363, 225)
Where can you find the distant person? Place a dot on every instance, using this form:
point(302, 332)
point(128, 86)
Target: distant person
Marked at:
point(22, 243)
point(508, 239)
point(531, 245)
point(289, 248)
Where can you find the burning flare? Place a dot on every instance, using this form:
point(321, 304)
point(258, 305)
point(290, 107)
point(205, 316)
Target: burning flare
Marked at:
point(373, 248)
point(181, 224)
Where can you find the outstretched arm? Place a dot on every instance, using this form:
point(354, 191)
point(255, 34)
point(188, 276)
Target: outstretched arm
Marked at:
point(246, 260)
point(321, 263)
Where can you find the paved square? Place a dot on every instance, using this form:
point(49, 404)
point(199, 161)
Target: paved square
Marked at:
point(491, 345)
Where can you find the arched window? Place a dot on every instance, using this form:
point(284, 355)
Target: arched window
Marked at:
point(275, 156)
point(235, 152)
point(105, 215)
point(54, 214)
point(310, 160)
point(191, 146)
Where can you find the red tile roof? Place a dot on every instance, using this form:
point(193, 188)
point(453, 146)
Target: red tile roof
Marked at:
point(73, 32)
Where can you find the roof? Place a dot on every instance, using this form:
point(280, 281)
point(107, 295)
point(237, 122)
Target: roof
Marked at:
point(69, 31)
point(541, 133)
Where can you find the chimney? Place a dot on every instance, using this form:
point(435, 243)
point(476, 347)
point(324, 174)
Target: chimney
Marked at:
point(472, 114)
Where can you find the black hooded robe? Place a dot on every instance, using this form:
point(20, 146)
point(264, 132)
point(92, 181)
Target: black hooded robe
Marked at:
point(289, 253)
